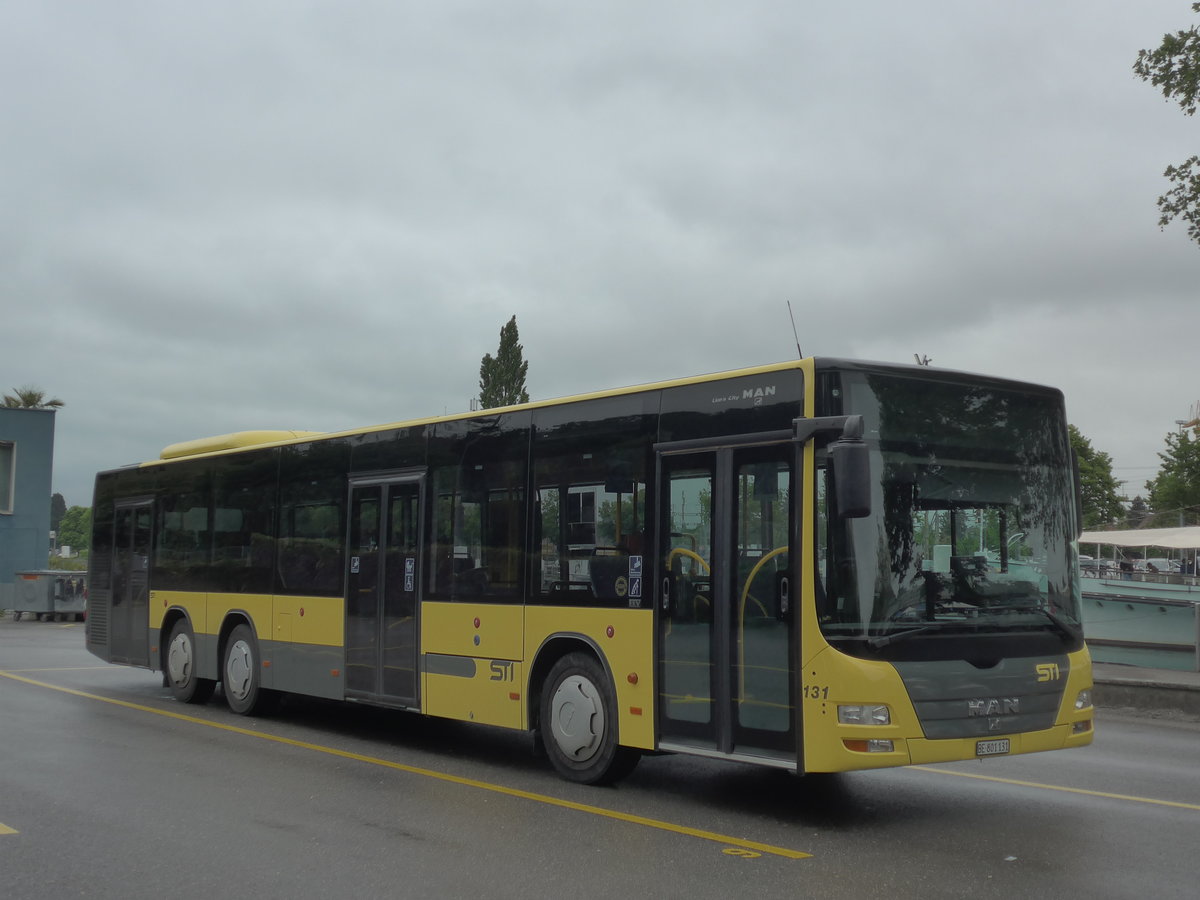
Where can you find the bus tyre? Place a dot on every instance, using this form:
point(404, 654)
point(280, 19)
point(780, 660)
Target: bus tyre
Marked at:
point(241, 674)
point(579, 723)
point(181, 666)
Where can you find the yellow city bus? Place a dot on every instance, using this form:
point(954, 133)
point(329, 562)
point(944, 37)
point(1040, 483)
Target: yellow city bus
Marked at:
point(821, 565)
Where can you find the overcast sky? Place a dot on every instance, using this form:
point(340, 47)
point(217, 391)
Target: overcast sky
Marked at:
point(225, 216)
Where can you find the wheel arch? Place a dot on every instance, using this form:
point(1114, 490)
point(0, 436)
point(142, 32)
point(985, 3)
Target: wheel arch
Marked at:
point(170, 617)
point(251, 695)
point(232, 620)
point(552, 649)
point(190, 675)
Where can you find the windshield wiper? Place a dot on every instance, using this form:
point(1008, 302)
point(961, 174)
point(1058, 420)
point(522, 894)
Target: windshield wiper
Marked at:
point(1065, 628)
point(884, 639)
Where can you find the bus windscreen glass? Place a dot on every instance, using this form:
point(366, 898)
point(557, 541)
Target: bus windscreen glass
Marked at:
point(971, 531)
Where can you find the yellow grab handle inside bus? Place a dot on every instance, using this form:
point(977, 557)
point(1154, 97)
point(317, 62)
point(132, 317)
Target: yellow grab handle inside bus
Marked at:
point(742, 618)
point(691, 554)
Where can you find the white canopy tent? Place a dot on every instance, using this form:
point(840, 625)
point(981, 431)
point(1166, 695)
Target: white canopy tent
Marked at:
point(1174, 538)
point(1182, 539)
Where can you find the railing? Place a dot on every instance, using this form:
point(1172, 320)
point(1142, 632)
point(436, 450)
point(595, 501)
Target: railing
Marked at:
point(1112, 573)
point(1143, 619)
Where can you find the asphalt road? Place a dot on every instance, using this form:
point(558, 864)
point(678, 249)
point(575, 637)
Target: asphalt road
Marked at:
point(109, 788)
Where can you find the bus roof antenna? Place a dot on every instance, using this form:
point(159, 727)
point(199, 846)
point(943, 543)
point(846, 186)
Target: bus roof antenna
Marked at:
point(794, 334)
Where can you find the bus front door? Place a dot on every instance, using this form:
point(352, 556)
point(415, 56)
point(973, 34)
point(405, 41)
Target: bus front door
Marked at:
point(382, 581)
point(726, 639)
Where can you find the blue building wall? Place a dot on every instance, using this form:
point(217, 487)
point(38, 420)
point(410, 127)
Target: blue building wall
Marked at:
point(25, 530)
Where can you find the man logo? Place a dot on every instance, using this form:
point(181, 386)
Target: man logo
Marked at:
point(757, 394)
point(994, 706)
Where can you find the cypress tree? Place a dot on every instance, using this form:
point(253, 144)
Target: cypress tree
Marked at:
point(502, 378)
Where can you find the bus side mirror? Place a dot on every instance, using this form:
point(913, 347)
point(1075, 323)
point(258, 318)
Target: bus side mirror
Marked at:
point(851, 471)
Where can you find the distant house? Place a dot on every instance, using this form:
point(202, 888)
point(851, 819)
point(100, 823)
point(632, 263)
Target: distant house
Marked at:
point(26, 462)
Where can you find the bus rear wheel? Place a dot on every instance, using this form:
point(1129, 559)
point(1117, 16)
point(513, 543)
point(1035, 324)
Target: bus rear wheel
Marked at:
point(579, 723)
point(181, 666)
point(241, 674)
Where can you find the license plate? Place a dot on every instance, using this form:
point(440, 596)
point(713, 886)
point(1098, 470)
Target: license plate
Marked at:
point(991, 748)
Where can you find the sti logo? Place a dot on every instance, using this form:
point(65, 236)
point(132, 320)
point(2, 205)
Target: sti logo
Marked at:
point(502, 670)
point(1047, 672)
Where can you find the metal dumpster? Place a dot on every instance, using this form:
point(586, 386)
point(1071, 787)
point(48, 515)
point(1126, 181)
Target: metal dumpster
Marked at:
point(50, 594)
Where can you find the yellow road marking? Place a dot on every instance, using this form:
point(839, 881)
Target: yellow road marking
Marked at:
point(68, 669)
point(671, 827)
point(1058, 787)
point(4, 829)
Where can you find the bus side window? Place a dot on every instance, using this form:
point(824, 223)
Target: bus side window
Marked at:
point(182, 553)
point(477, 538)
point(244, 495)
point(588, 528)
point(312, 519)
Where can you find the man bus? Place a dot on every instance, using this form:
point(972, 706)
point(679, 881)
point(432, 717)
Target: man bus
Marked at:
point(820, 565)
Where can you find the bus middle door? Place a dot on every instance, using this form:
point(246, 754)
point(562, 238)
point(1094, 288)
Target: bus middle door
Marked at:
point(383, 585)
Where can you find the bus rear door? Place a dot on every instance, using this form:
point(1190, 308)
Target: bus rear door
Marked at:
point(129, 611)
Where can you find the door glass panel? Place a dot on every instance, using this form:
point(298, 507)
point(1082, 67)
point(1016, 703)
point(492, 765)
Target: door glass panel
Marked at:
point(130, 611)
point(687, 685)
point(400, 592)
point(362, 599)
point(762, 684)
point(119, 615)
point(139, 600)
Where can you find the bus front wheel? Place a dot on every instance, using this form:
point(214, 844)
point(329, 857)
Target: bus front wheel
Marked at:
point(579, 723)
point(181, 666)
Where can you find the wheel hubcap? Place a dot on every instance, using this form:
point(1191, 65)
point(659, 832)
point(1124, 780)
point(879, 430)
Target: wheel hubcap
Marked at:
point(577, 718)
point(238, 668)
point(179, 659)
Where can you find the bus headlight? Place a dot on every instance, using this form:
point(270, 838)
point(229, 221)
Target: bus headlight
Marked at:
point(1084, 700)
point(864, 715)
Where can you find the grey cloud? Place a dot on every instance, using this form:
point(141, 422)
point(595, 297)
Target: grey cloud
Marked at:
point(315, 215)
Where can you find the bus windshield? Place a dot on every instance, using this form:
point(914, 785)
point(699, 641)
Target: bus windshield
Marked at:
point(972, 522)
